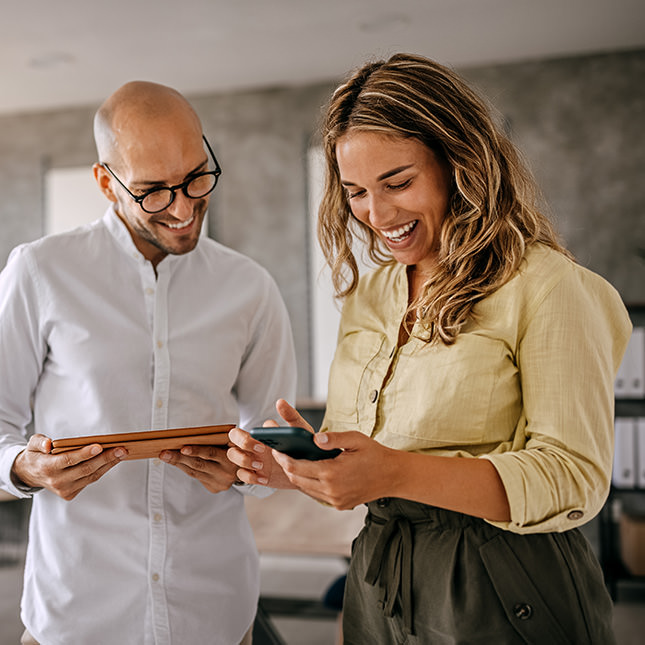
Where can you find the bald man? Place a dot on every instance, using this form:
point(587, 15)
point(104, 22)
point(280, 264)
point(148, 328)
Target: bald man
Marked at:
point(136, 322)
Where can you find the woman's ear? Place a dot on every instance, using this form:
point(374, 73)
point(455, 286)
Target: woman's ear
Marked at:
point(104, 181)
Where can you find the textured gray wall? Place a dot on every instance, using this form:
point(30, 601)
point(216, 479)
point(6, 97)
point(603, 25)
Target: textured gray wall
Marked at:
point(579, 122)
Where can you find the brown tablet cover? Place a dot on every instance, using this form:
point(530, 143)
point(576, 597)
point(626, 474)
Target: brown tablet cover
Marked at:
point(149, 443)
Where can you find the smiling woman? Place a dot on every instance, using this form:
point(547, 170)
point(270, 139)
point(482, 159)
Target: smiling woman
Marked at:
point(455, 393)
point(399, 189)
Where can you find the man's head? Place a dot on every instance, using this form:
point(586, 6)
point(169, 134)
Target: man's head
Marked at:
point(147, 137)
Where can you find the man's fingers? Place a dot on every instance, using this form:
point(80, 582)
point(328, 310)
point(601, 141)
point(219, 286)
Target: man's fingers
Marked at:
point(39, 443)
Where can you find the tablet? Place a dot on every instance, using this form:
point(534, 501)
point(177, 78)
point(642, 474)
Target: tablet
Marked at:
point(149, 443)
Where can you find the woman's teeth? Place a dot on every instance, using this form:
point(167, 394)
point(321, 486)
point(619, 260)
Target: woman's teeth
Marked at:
point(400, 233)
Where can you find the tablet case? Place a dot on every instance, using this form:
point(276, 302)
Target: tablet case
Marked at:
point(149, 443)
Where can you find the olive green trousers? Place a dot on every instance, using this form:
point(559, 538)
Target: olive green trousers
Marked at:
point(422, 575)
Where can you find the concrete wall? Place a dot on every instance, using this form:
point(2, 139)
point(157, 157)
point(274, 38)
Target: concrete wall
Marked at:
point(579, 122)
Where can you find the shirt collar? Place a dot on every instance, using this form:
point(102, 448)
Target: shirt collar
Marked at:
point(121, 234)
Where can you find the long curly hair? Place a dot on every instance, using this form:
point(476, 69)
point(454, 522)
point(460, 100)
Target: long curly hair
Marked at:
point(492, 216)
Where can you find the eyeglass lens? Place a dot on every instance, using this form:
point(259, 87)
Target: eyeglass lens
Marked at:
point(199, 186)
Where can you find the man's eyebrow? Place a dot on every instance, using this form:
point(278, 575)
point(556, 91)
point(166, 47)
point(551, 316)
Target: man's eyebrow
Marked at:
point(385, 175)
point(153, 184)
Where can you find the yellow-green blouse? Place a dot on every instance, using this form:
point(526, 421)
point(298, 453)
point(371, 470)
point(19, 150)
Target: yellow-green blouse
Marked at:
point(528, 384)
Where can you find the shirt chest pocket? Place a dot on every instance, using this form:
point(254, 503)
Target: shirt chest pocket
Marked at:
point(446, 395)
point(355, 355)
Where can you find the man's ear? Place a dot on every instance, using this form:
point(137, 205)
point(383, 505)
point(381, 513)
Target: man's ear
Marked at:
point(104, 181)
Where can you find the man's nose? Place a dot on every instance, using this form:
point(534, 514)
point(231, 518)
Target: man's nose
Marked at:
point(182, 206)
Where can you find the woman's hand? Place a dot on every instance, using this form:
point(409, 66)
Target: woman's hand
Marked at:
point(254, 459)
point(363, 472)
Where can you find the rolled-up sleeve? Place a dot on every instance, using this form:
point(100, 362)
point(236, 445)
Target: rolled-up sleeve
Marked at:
point(568, 355)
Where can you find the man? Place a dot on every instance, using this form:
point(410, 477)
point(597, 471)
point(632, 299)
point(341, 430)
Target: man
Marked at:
point(133, 323)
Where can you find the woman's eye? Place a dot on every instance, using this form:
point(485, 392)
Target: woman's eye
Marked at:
point(400, 186)
point(356, 193)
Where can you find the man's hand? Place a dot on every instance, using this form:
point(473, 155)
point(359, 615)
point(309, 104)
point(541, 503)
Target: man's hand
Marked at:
point(208, 464)
point(65, 474)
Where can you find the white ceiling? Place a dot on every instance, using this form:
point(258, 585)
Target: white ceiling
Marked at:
point(76, 52)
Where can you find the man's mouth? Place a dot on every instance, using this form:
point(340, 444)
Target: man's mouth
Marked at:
point(179, 225)
point(399, 234)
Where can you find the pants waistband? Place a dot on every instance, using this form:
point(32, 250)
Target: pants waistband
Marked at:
point(386, 508)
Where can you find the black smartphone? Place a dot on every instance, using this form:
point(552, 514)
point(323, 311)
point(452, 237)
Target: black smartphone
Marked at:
point(295, 442)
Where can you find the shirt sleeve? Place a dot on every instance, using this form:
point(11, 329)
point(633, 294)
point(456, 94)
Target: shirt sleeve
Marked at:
point(568, 356)
point(23, 351)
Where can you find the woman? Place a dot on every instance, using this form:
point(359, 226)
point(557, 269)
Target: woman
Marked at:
point(472, 387)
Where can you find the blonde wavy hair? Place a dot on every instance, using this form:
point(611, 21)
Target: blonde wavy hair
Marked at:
point(492, 216)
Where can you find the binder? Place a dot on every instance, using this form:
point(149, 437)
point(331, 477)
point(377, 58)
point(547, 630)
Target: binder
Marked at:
point(624, 471)
point(640, 447)
point(630, 379)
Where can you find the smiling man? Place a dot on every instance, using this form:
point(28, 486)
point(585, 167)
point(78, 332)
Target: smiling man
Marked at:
point(132, 323)
point(152, 138)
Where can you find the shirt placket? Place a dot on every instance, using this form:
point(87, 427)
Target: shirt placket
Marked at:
point(156, 294)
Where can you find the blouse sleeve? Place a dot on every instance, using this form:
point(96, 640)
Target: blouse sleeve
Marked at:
point(568, 354)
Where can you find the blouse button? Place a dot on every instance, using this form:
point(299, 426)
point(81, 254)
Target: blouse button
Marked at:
point(373, 396)
point(575, 515)
point(523, 611)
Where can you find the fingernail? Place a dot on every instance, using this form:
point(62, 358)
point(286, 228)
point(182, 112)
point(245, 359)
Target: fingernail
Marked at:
point(322, 438)
point(164, 456)
point(95, 450)
point(186, 450)
point(257, 465)
point(259, 447)
point(263, 480)
point(119, 453)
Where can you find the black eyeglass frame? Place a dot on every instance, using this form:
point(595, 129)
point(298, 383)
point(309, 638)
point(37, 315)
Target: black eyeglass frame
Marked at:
point(173, 189)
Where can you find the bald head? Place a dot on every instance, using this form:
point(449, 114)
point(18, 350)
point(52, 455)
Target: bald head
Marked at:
point(136, 109)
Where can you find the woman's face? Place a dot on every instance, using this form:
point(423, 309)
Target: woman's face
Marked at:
point(398, 188)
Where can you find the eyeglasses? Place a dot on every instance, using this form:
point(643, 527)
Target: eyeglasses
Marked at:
point(158, 199)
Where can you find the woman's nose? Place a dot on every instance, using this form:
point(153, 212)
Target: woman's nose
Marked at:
point(379, 211)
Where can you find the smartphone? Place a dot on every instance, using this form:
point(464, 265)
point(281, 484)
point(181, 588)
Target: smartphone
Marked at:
point(295, 442)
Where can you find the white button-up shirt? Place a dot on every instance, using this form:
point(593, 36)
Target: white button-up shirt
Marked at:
point(93, 343)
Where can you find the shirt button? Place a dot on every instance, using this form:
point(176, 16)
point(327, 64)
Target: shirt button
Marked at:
point(150, 291)
point(156, 461)
point(159, 403)
point(155, 577)
point(575, 515)
point(157, 517)
point(373, 396)
point(523, 611)
point(160, 344)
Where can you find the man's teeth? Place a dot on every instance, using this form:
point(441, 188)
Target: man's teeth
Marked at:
point(181, 224)
point(400, 233)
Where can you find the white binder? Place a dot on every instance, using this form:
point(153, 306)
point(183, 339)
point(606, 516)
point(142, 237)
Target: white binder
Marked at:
point(624, 471)
point(630, 379)
point(640, 448)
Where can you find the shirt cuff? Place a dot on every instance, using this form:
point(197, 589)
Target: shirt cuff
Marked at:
point(12, 487)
